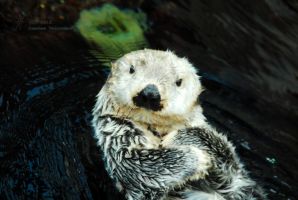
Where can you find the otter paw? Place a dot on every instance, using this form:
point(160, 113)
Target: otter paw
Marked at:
point(169, 139)
point(204, 163)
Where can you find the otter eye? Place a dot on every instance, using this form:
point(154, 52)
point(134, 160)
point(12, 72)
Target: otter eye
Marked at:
point(178, 82)
point(131, 69)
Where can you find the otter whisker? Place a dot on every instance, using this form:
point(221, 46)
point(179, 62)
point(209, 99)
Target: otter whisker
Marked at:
point(118, 110)
point(129, 112)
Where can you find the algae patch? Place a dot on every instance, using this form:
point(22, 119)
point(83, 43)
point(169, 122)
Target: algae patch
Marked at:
point(113, 32)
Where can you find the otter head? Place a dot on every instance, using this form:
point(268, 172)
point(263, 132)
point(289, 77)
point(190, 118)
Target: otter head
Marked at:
point(154, 84)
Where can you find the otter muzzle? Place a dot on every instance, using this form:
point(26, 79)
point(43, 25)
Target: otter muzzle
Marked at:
point(148, 98)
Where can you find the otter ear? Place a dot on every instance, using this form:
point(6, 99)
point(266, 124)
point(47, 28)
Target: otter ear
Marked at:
point(113, 65)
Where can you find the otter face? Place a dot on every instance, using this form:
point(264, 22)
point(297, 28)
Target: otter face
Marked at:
point(155, 81)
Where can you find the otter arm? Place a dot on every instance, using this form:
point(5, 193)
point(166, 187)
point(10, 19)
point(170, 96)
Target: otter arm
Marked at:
point(227, 175)
point(206, 138)
point(145, 172)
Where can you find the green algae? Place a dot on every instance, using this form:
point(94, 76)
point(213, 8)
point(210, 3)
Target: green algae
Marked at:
point(113, 32)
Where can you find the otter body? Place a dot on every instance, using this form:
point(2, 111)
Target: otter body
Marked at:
point(155, 140)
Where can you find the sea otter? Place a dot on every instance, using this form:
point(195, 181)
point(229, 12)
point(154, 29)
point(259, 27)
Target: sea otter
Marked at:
point(155, 140)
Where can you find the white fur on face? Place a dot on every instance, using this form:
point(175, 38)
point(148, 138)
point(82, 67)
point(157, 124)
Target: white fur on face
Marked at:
point(162, 69)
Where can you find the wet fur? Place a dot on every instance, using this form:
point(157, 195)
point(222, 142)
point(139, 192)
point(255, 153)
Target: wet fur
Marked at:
point(171, 154)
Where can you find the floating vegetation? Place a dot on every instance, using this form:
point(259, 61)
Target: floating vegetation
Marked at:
point(112, 32)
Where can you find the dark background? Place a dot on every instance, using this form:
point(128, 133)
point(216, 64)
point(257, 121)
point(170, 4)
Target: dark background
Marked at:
point(247, 54)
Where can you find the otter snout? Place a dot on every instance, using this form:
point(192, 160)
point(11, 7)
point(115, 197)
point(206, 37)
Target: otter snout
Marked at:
point(148, 98)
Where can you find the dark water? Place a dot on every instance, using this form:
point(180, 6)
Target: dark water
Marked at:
point(247, 55)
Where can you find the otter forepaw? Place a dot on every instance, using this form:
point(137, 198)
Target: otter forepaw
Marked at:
point(204, 163)
point(169, 139)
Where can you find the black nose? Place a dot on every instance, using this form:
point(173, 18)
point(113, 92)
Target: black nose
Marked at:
point(148, 98)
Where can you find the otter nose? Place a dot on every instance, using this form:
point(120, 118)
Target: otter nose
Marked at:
point(148, 98)
point(150, 93)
